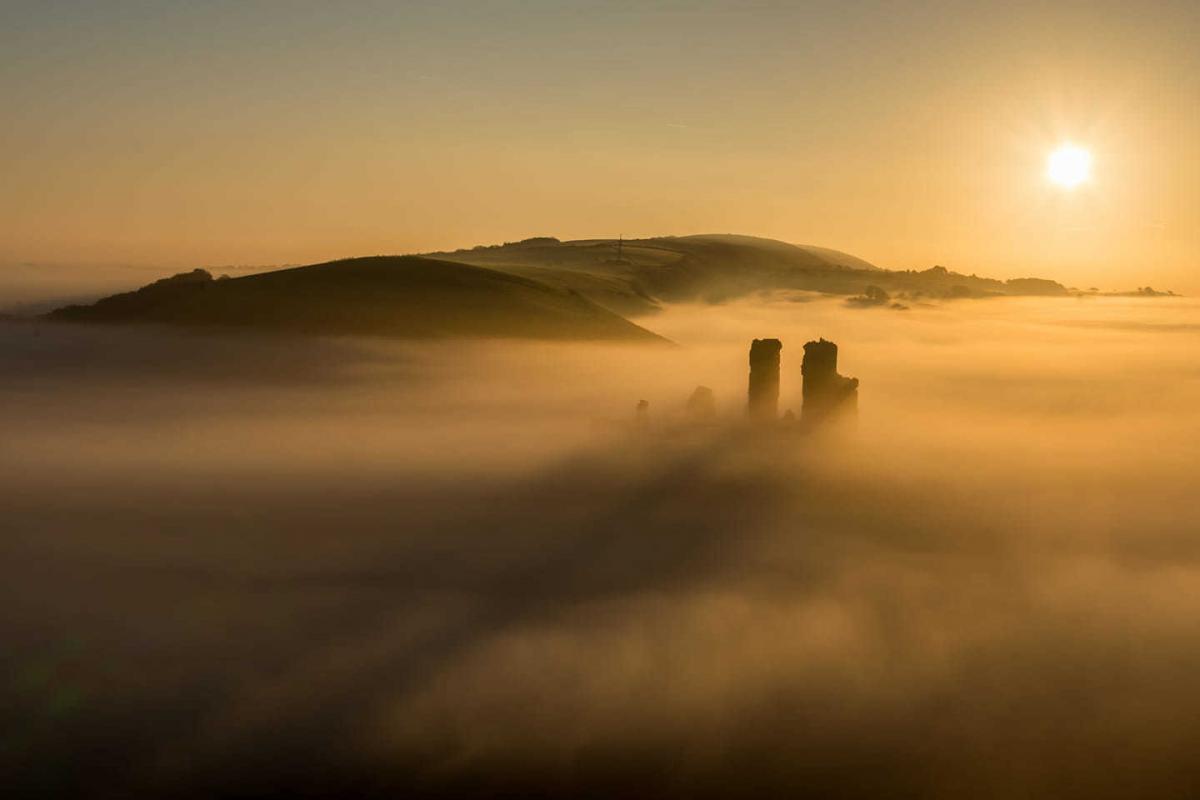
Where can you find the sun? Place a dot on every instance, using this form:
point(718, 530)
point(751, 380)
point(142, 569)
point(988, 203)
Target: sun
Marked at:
point(1069, 166)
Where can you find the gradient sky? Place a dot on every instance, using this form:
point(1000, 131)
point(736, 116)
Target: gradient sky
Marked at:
point(911, 134)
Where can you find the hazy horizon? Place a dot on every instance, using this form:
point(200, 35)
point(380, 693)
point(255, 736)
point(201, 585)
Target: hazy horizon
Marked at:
point(34, 288)
point(178, 135)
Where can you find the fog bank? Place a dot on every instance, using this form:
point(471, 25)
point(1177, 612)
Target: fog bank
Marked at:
point(367, 567)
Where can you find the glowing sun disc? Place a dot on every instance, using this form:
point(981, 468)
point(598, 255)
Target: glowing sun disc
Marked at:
point(1069, 166)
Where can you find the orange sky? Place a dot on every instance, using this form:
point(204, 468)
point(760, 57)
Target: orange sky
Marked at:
point(220, 133)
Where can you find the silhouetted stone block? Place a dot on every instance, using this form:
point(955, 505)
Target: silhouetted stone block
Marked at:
point(763, 403)
point(826, 393)
point(701, 406)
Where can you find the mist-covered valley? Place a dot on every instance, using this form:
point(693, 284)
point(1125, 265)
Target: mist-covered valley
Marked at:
point(238, 563)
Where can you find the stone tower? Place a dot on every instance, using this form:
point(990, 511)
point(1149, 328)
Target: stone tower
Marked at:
point(763, 403)
point(826, 393)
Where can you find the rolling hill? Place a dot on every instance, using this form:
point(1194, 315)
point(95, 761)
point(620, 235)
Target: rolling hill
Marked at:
point(634, 277)
point(398, 296)
point(538, 288)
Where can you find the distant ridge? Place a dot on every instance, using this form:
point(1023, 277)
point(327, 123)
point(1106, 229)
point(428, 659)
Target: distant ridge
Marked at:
point(536, 288)
point(824, 256)
point(719, 267)
point(648, 272)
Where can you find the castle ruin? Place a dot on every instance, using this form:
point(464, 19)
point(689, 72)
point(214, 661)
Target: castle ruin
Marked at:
point(763, 404)
point(826, 393)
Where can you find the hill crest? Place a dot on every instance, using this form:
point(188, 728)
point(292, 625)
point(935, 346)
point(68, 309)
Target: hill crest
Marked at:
point(399, 296)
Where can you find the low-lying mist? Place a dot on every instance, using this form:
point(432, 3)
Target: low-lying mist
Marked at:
point(358, 567)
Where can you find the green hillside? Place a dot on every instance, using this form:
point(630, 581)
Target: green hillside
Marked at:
point(538, 288)
point(634, 277)
point(400, 296)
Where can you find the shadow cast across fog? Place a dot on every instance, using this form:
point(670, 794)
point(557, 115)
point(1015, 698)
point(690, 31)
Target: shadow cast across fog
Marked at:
point(378, 570)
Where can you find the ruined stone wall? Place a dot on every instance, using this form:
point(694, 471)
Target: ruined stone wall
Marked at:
point(826, 393)
point(763, 405)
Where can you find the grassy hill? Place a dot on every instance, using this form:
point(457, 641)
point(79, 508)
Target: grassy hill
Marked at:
point(636, 276)
point(400, 296)
point(538, 288)
point(639, 274)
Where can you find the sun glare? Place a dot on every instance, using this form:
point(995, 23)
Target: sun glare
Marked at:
point(1069, 166)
